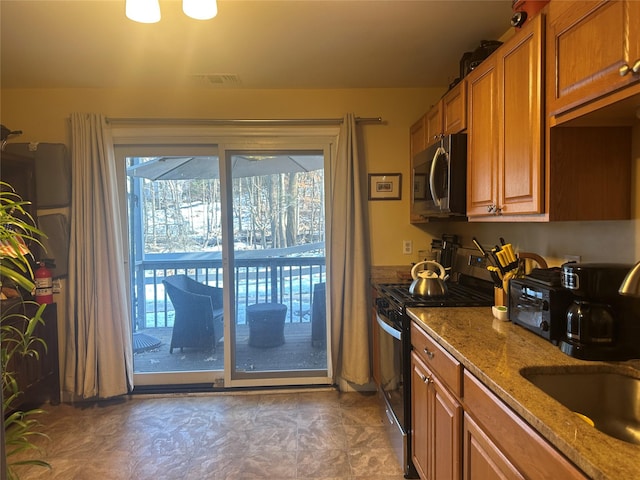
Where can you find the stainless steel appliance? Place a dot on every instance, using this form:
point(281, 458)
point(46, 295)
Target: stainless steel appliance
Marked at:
point(595, 318)
point(428, 282)
point(469, 285)
point(539, 303)
point(440, 178)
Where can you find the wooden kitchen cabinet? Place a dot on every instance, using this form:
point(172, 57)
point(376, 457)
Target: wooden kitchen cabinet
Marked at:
point(38, 378)
point(433, 124)
point(449, 115)
point(446, 117)
point(436, 410)
point(505, 129)
point(498, 444)
point(454, 109)
point(421, 402)
point(418, 136)
point(593, 49)
point(482, 135)
point(462, 430)
point(483, 460)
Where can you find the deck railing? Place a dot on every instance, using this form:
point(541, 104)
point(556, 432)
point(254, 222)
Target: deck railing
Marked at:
point(287, 280)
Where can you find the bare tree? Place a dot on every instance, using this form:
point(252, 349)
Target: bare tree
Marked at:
point(292, 202)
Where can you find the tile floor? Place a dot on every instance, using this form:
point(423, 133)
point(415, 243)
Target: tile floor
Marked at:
point(287, 435)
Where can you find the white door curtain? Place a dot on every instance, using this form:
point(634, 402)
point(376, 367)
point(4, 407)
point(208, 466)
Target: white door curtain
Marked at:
point(347, 254)
point(98, 354)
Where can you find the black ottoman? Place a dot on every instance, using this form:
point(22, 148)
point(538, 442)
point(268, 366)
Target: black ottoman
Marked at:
point(266, 324)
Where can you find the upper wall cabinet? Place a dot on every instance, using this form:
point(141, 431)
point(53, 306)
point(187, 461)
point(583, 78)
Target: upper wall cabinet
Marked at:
point(521, 169)
point(593, 49)
point(418, 136)
point(454, 109)
point(505, 129)
point(482, 136)
point(446, 117)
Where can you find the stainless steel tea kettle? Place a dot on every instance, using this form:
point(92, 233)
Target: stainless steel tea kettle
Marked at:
point(428, 283)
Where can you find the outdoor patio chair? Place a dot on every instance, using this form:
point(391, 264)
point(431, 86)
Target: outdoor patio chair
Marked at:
point(198, 307)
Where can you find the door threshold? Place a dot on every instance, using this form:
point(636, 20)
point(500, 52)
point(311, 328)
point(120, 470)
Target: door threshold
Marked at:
point(202, 388)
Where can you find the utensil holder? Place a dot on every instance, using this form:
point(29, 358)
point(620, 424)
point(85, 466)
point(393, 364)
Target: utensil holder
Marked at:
point(500, 297)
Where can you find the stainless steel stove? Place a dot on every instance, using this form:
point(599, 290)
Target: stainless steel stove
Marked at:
point(470, 286)
point(458, 295)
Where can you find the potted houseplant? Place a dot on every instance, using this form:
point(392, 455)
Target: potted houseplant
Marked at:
point(17, 231)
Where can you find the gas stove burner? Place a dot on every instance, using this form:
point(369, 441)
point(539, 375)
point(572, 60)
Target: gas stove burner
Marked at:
point(457, 296)
point(469, 285)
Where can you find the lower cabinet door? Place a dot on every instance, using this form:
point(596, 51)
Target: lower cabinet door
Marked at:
point(447, 420)
point(436, 425)
point(420, 416)
point(483, 460)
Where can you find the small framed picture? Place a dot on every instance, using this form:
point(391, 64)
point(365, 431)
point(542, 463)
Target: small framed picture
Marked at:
point(385, 186)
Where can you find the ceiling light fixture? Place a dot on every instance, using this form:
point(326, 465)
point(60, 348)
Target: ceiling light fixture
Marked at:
point(143, 11)
point(200, 9)
point(148, 11)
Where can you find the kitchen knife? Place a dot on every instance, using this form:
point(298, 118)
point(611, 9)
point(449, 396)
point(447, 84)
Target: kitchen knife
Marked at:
point(479, 247)
point(494, 257)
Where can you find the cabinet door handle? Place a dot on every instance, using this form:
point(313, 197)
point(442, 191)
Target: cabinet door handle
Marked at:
point(425, 378)
point(498, 210)
point(428, 353)
point(491, 208)
point(636, 67)
point(623, 70)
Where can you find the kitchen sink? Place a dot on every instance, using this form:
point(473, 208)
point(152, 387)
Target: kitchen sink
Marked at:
point(608, 395)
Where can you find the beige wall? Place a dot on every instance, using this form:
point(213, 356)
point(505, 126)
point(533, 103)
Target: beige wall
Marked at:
point(43, 116)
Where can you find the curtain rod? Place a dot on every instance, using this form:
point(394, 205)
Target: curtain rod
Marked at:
point(250, 122)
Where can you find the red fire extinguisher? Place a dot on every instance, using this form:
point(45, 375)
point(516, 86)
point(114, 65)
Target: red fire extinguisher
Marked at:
point(44, 284)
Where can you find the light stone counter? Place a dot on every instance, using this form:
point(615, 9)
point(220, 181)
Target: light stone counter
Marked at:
point(496, 351)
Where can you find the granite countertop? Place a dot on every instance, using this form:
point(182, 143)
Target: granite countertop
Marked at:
point(496, 351)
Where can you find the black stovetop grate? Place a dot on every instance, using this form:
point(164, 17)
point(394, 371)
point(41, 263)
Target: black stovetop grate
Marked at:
point(457, 296)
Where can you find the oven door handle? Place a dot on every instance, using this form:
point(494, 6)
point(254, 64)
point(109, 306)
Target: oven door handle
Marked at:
point(388, 328)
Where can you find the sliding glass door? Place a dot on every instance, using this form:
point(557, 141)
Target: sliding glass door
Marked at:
point(227, 264)
point(276, 225)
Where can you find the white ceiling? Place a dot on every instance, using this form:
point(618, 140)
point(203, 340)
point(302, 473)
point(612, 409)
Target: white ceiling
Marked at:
point(265, 43)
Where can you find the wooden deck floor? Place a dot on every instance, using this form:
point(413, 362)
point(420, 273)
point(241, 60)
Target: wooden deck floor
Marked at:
point(297, 353)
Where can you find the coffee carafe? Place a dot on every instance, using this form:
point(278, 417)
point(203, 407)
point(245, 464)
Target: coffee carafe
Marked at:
point(592, 327)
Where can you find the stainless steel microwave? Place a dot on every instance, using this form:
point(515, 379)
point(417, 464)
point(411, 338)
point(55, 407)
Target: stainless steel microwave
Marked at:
point(439, 182)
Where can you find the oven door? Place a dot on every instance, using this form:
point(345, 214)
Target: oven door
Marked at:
point(390, 367)
point(392, 389)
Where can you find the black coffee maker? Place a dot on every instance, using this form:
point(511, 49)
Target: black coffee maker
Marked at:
point(596, 317)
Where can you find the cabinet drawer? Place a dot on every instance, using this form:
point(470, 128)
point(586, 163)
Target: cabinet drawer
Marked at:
point(532, 455)
point(447, 368)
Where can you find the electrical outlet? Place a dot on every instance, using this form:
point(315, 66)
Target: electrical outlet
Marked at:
point(407, 247)
point(572, 258)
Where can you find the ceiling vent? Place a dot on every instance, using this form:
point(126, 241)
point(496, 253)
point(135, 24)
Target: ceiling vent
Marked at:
point(219, 79)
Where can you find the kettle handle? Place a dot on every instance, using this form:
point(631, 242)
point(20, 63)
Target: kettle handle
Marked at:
point(414, 269)
point(535, 257)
